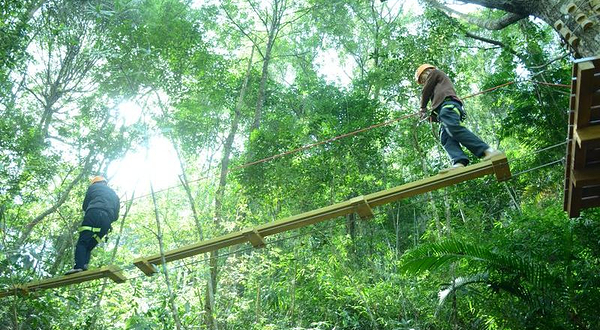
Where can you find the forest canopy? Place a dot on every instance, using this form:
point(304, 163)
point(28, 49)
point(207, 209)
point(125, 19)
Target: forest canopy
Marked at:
point(207, 117)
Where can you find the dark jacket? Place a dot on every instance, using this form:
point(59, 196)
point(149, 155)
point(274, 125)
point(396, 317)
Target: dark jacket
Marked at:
point(100, 196)
point(436, 89)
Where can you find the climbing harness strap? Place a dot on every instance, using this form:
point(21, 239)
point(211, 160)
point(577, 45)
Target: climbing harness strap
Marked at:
point(94, 230)
point(461, 114)
point(90, 228)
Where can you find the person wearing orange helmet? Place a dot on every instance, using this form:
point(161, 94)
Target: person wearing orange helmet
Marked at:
point(447, 108)
point(101, 206)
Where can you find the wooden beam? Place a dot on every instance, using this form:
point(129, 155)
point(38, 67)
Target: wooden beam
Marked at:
point(194, 249)
point(584, 93)
point(255, 238)
point(590, 203)
point(362, 205)
point(146, 267)
point(112, 272)
point(115, 273)
point(433, 183)
point(574, 201)
point(18, 290)
point(587, 136)
point(501, 168)
point(578, 157)
point(362, 208)
point(585, 177)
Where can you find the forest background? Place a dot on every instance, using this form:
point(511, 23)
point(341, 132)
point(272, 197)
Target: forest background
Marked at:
point(220, 87)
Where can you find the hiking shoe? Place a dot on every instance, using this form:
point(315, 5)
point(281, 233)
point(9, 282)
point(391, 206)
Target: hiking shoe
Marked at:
point(73, 271)
point(451, 168)
point(491, 153)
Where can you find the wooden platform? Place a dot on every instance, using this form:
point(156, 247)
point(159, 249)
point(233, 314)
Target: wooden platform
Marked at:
point(361, 205)
point(112, 272)
point(582, 170)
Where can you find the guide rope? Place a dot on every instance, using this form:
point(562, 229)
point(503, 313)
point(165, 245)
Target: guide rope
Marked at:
point(345, 135)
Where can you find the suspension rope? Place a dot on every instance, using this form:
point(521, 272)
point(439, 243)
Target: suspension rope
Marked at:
point(335, 138)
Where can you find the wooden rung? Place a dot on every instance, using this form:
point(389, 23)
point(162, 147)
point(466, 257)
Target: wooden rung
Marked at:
point(587, 136)
point(255, 238)
point(501, 168)
point(591, 191)
point(363, 208)
point(585, 73)
point(581, 178)
point(590, 202)
point(18, 290)
point(116, 274)
point(111, 272)
point(435, 182)
point(145, 266)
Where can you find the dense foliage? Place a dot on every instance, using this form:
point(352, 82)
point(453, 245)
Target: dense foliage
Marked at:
point(236, 88)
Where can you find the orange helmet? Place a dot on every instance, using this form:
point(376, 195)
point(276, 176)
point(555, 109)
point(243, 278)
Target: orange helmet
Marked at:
point(97, 179)
point(421, 69)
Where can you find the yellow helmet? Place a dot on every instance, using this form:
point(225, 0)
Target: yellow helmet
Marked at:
point(97, 179)
point(420, 70)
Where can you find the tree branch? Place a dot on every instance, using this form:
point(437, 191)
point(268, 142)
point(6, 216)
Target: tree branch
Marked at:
point(512, 6)
point(499, 24)
point(493, 42)
point(61, 200)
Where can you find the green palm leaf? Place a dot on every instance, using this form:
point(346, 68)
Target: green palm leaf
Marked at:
point(433, 256)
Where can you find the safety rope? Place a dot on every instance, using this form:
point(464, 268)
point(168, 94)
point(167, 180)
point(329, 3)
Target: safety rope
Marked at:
point(335, 138)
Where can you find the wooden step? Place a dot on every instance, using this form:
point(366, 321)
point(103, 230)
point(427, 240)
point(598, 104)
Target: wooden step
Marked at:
point(362, 205)
point(112, 272)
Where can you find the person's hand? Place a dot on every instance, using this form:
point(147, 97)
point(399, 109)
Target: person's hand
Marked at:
point(423, 114)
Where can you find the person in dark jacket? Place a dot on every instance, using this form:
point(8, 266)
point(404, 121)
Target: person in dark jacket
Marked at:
point(447, 108)
point(101, 206)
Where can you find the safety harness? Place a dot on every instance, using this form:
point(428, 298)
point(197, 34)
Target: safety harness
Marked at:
point(461, 113)
point(95, 230)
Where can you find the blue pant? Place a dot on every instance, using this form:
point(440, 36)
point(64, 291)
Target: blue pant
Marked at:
point(453, 134)
point(87, 240)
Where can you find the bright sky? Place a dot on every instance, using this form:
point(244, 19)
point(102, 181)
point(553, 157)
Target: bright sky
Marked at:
point(158, 164)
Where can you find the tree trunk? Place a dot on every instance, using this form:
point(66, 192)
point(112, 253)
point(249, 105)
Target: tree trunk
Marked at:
point(164, 263)
point(277, 11)
point(428, 195)
point(263, 84)
point(580, 28)
point(211, 289)
point(447, 212)
point(188, 191)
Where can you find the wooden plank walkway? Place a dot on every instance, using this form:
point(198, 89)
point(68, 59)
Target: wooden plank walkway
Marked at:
point(361, 205)
point(112, 272)
point(582, 170)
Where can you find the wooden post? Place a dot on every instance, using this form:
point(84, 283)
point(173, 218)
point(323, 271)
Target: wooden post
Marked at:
point(254, 237)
